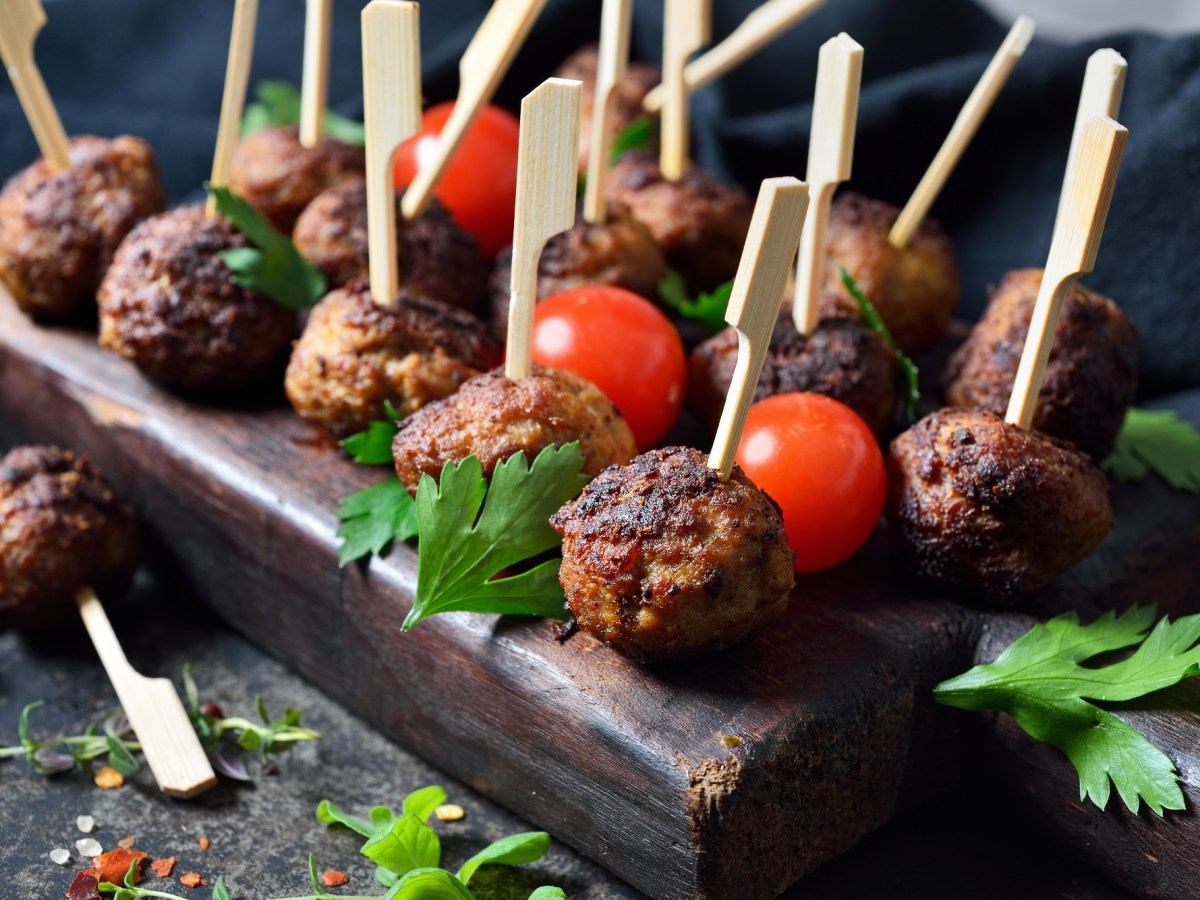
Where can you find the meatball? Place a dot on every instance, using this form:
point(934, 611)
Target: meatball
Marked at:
point(279, 176)
point(621, 253)
point(437, 258)
point(356, 355)
point(982, 505)
point(61, 528)
point(1090, 379)
point(699, 222)
point(662, 559)
point(59, 230)
point(168, 305)
point(640, 79)
point(493, 417)
point(914, 289)
point(842, 359)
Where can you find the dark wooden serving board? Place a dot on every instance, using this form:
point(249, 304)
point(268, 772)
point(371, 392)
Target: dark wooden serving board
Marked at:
point(730, 776)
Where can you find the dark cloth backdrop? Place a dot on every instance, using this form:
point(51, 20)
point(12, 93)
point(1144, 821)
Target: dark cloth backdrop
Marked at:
point(155, 68)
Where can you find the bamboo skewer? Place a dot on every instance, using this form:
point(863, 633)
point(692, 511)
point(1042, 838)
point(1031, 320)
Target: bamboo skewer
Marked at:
point(758, 29)
point(480, 71)
point(173, 751)
point(20, 22)
point(830, 152)
point(686, 28)
point(392, 113)
point(754, 303)
point(962, 131)
point(237, 77)
point(1103, 87)
point(314, 88)
point(547, 171)
point(616, 20)
point(1073, 248)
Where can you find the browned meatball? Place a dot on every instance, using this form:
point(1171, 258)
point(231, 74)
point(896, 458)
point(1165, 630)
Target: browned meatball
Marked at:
point(699, 222)
point(356, 355)
point(61, 529)
point(1091, 376)
point(168, 305)
point(914, 289)
point(59, 230)
point(981, 505)
point(621, 253)
point(662, 559)
point(437, 258)
point(279, 176)
point(493, 418)
point(640, 79)
point(842, 359)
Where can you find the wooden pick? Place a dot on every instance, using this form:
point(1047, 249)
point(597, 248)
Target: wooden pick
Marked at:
point(392, 113)
point(237, 76)
point(547, 172)
point(970, 117)
point(1076, 239)
point(1103, 87)
point(758, 29)
point(616, 19)
point(314, 89)
point(480, 71)
point(754, 303)
point(686, 28)
point(830, 151)
point(153, 708)
point(20, 22)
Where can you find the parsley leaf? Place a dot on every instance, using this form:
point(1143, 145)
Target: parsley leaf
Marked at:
point(429, 884)
point(373, 447)
point(708, 309)
point(464, 549)
point(1157, 441)
point(872, 319)
point(372, 518)
point(513, 850)
point(278, 103)
point(1039, 681)
point(637, 135)
point(273, 266)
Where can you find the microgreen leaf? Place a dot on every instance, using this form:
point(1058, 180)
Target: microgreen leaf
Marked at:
point(328, 813)
point(874, 321)
point(429, 884)
point(260, 707)
point(421, 803)
point(190, 690)
point(23, 724)
point(409, 844)
point(1157, 441)
point(120, 758)
point(510, 851)
point(372, 518)
point(220, 892)
point(278, 103)
point(637, 135)
point(131, 876)
point(548, 892)
point(372, 447)
point(707, 308)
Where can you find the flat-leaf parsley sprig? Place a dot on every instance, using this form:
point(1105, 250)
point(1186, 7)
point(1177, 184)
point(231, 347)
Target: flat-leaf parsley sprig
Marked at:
point(278, 103)
point(874, 321)
point(1157, 441)
point(707, 308)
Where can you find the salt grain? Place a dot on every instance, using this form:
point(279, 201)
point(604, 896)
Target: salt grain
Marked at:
point(60, 855)
point(86, 824)
point(88, 847)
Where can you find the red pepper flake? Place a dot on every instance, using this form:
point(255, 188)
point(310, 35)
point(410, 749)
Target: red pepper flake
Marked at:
point(203, 842)
point(333, 878)
point(191, 879)
point(113, 865)
point(127, 843)
point(162, 867)
point(84, 887)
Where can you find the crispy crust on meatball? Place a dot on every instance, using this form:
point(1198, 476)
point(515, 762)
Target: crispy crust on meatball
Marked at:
point(662, 559)
point(978, 504)
point(620, 253)
point(438, 259)
point(356, 355)
point(1090, 379)
point(699, 222)
point(59, 230)
point(168, 305)
point(914, 289)
point(61, 528)
point(493, 418)
point(279, 176)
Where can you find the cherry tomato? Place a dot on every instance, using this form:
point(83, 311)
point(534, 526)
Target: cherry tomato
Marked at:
point(479, 187)
point(820, 462)
point(622, 344)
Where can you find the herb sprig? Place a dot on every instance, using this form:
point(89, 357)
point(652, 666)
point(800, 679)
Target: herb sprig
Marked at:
point(706, 308)
point(1157, 441)
point(62, 754)
point(278, 103)
point(872, 319)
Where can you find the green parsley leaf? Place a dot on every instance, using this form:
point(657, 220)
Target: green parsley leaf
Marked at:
point(1039, 681)
point(463, 549)
point(278, 103)
point(329, 813)
point(1158, 441)
point(429, 884)
point(637, 135)
point(513, 850)
point(409, 844)
point(422, 803)
point(372, 518)
point(548, 892)
point(872, 319)
point(273, 266)
point(708, 309)
point(373, 447)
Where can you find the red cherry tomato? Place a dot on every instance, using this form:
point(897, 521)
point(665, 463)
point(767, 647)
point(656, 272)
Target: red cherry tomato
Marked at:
point(820, 462)
point(622, 344)
point(479, 186)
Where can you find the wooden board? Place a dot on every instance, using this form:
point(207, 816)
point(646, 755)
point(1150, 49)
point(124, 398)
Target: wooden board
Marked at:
point(628, 764)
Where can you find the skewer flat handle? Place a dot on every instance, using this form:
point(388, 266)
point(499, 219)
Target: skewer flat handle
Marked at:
point(314, 88)
point(20, 22)
point(616, 20)
point(1103, 88)
point(237, 77)
point(687, 25)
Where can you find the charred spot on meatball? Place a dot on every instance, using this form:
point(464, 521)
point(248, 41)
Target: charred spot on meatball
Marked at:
point(661, 559)
point(168, 305)
point(60, 229)
point(978, 504)
point(1090, 379)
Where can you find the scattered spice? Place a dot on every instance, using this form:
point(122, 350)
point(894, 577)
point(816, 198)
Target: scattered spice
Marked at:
point(84, 887)
point(86, 824)
point(203, 842)
point(88, 847)
point(113, 865)
point(126, 842)
point(162, 867)
point(60, 855)
point(449, 812)
point(563, 631)
point(729, 741)
point(108, 777)
point(191, 879)
point(333, 878)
